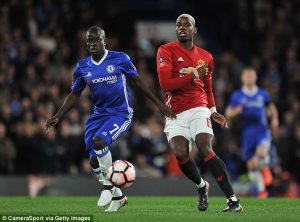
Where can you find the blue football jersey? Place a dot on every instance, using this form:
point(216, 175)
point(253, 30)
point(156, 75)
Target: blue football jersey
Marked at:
point(107, 82)
point(253, 114)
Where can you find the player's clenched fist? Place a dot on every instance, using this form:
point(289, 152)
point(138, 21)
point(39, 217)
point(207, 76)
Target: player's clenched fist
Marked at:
point(202, 70)
point(51, 122)
point(220, 119)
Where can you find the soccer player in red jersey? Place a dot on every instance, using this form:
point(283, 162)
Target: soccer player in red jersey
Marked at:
point(185, 76)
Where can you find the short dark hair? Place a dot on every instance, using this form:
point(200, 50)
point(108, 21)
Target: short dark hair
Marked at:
point(96, 29)
point(249, 68)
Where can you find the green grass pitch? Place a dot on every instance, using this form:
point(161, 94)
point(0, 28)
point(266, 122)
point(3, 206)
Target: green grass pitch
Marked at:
point(156, 209)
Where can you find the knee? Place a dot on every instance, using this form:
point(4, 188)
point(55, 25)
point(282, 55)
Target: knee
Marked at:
point(203, 145)
point(99, 143)
point(204, 149)
point(94, 162)
point(203, 142)
point(180, 147)
point(181, 153)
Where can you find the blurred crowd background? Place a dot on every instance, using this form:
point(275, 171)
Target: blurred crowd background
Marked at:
point(41, 41)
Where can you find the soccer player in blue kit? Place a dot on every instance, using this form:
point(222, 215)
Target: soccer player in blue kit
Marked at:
point(106, 73)
point(254, 105)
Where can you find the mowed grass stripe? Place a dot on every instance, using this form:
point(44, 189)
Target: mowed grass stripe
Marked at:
point(156, 209)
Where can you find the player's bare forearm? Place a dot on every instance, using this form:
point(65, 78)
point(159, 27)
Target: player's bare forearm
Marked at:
point(231, 113)
point(67, 105)
point(138, 82)
point(273, 111)
point(274, 116)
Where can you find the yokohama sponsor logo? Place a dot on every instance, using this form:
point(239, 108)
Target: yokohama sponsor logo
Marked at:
point(105, 79)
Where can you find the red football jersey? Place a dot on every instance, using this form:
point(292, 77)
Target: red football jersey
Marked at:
point(181, 91)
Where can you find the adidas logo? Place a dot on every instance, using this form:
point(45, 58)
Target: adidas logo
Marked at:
point(89, 74)
point(180, 59)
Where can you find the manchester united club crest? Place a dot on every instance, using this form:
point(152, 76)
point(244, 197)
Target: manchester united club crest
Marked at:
point(201, 63)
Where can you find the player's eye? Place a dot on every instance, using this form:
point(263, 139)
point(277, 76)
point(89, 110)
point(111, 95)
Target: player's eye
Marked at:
point(93, 40)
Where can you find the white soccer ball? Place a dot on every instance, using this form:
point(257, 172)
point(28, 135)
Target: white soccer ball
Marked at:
point(121, 173)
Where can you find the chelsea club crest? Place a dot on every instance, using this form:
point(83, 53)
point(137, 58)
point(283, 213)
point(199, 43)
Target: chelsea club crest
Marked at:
point(110, 68)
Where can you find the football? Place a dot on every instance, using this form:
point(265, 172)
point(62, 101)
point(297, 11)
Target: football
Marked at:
point(121, 173)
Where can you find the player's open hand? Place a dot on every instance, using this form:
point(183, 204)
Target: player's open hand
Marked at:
point(167, 111)
point(220, 119)
point(198, 72)
point(190, 70)
point(52, 121)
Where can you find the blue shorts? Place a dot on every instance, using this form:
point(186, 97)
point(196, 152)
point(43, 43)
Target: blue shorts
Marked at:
point(251, 139)
point(107, 127)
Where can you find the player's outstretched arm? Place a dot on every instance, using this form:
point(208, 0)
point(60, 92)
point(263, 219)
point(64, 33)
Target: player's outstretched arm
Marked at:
point(67, 105)
point(138, 82)
point(232, 112)
point(272, 112)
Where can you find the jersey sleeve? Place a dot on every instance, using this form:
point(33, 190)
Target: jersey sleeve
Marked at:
point(78, 84)
point(234, 100)
point(165, 72)
point(208, 86)
point(127, 67)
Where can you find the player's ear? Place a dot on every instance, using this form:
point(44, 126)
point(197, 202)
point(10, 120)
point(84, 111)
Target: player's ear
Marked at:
point(104, 42)
point(195, 30)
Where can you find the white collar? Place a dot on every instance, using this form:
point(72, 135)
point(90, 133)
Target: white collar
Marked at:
point(251, 92)
point(101, 60)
